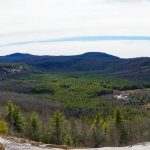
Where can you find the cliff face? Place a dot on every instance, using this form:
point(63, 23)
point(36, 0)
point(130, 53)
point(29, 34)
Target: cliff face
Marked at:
point(13, 70)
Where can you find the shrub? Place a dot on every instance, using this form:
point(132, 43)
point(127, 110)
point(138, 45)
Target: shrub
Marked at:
point(3, 128)
point(41, 90)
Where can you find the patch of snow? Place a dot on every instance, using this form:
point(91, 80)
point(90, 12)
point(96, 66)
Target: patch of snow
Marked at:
point(142, 146)
point(121, 97)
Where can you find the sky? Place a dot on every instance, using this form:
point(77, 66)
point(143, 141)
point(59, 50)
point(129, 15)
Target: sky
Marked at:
point(68, 27)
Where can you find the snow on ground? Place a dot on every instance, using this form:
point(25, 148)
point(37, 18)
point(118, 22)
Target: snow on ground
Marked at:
point(143, 146)
point(11, 145)
point(121, 97)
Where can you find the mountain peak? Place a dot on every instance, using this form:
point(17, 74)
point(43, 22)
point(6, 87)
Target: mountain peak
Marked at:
point(99, 55)
point(18, 55)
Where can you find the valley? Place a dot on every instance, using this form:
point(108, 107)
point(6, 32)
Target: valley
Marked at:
point(84, 107)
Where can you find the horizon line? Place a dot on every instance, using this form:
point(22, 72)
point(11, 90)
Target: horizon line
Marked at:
point(74, 55)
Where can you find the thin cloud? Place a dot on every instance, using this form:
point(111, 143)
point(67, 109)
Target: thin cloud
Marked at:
point(82, 39)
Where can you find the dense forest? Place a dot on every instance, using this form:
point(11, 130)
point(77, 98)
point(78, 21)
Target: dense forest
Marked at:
point(79, 110)
point(123, 127)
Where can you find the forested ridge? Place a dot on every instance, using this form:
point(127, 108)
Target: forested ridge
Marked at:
point(91, 62)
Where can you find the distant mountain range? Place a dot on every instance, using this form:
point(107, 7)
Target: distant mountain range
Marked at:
point(34, 59)
point(92, 62)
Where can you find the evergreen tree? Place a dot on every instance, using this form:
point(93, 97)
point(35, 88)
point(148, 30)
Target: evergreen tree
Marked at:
point(75, 132)
point(56, 127)
point(119, 119)
point(14, 117)
point(9, 115)
point(68, 139)
point(33, 126)
point(18, 122)
point(120, 126)
point(99, 130)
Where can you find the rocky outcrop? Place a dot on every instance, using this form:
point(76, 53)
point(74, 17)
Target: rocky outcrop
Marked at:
point(14, 143)
point(13, 70)
point(25, 144)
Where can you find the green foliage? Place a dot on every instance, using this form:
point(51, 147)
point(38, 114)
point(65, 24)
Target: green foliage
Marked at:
point(14, 117)
point(83, 131)
point(75, 131)
point(32, 126)
point(68, 139)
point(56, 127)
point(3, 128)
point(18, 121)
point(79, 98)
point(77, 90)
point(9, 114)
point(99, 127)
point(120, 125)
point(41, 90)
point(13, 66)
point(119, 119)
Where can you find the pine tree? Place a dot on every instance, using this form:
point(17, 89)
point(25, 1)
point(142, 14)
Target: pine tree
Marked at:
point(75, 132)
point(33, 126)
point(9, 115)
point(68, 139)
point(56, 127)
point(99, 129)
point(120, 126)
point(119, 119)
point(17, 119)
point(14, 117)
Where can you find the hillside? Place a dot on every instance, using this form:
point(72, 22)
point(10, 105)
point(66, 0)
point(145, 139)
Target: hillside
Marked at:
point(13, 70)
point(85, 105)
point(101, 63)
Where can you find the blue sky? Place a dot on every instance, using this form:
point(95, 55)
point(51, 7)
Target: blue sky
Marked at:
point(67, 27)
